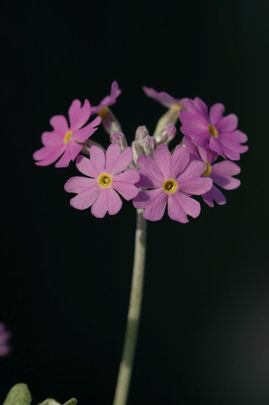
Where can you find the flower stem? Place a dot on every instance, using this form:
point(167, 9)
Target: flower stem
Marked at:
point(127, 360)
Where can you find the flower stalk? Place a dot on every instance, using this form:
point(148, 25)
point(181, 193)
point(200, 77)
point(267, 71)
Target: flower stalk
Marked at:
point(127, 360)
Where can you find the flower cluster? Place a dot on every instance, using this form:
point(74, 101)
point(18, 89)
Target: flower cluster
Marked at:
point(147, 172)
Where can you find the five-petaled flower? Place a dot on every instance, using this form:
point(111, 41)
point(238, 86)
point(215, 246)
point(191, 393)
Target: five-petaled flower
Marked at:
point(66, 140)
point(170, 180)
point(211, 130)
point(221, 173)
point(4, 341)
point(108, 176)
point(109, 100)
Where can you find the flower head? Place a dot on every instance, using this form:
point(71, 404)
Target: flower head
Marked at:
point(109, 100)
point(170, 180)
point(211, 130)
point(108, 175)
point(4, 340)
point(164, 98)
point(64, 143)
point(221, 173)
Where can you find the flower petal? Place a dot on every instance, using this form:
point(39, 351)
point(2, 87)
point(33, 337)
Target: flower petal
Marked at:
point(114, 202)
point(112, 155)
point(149, 172)
point(82, 134)
point(100, 206)
point(59, 124)
point(124, 160)
point(216, 113)
point(51, 138)
point(195, 169)
point(128, 191)
point(79, 184)
point(225, 168)
point(85, 199)
point(85, 166)
point(214, 195)
point(46, 156)
point(190, 205)
point(228, 123)
point(97, 157)
point(155, 209)
point(180, 159)
point(197, 186)
point(79, 115)
point(175, 211)
point(129, 176)
point(69, 155)
point(162, 158)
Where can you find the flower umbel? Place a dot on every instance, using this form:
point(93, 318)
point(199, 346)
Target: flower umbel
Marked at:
point(108, 175)
point(64, 143)
point(170, 180)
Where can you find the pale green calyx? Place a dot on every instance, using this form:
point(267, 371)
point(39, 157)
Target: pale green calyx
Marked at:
point(18, 395)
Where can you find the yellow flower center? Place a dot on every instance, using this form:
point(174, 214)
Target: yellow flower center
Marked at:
point(213, 131)
point(103, 112)
point(175, 107)
point(208, 170)
point(68, 136)
point(170, 186)
point(104, 180)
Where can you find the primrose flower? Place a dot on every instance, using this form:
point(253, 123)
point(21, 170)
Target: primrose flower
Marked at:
point(4, 341)
point(108, 175)
point(211, 130)
point(221, 173)
point(170, 180)
point(109, 100)
point(164, 98)
point(66, 140)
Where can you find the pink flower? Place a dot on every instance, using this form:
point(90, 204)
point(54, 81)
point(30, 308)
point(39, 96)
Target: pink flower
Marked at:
point(170, 180)
point(4, 341)
point(66, 140)
point(221, 173)
point(109, 100)
point(211, 130)
point(108, 175)
point(164, 98)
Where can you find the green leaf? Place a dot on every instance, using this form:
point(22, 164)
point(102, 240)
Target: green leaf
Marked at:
point(18, 395)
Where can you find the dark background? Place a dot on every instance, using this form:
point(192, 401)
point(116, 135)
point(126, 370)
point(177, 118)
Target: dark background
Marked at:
point(65, 276)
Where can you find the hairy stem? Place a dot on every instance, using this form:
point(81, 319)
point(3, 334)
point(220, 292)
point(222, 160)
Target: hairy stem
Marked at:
point(127, 360)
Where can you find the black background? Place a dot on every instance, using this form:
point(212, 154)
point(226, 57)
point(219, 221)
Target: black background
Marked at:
point(65, 276)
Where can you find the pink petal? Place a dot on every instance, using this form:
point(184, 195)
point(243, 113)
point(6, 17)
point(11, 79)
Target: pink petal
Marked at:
point(193, 124)
point(155, 209)
point(51, 138)
point(216, 113)
point(59, 123)
point(130, 176)
point(128, 191)
point(112, 155)
point(97, 156)
point(101, 205)
point(85, 199)
point(197, 186)
point(69, 155)
point(85, 166)
point(228, 123)
point(124, 160)
point(225, 168)
point(180, 159)
point(79, 115)
point(49, 156)
point(195, 169)
point(201, 107)
point(144, 198)
point(162, 158)
point(175, 211)
point(150, 175)
point(114, 202)
point(190, 205)
point(79, 184)
point(215, 145)
point(82, 134)
point(214, 195)
point(227, 183)
point(162, 97)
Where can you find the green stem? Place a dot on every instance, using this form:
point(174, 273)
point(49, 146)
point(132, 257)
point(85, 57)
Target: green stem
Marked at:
point(127, 360)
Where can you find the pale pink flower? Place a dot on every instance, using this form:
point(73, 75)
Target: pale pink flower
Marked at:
point(170, 180)
point(164, 98)
point(64, 143)
point(108, 175)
